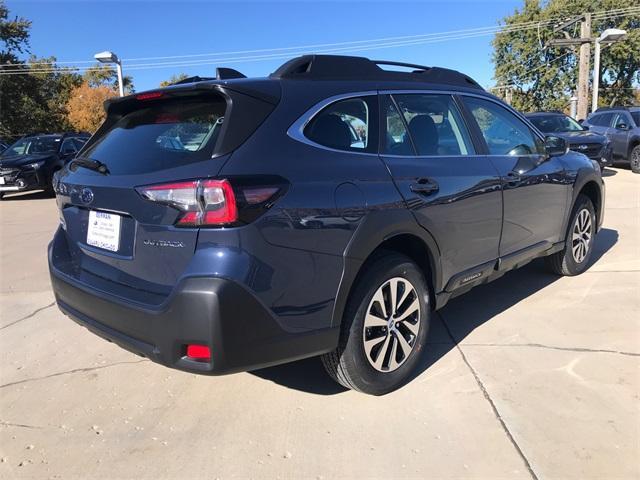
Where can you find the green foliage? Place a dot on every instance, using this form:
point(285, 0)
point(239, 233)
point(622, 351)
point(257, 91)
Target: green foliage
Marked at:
point(14, 34)
point(37, 102)
point(545, 77)
point(34, 102)
point(174, 79)
point(106, 75)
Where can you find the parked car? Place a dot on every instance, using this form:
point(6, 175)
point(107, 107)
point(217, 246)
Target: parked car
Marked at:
point(29, 164)
point(282, 235)
point(622, 126)
point(595, 146)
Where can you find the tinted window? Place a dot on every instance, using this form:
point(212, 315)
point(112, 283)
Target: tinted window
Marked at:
point(602, 120)
point(555, 123)
point(31, 145)
point(344, 125)
point(504, 132)
point(434, 124)
point(621, 119)
point(397, 141)
point(79, 142)
point(68, 147)
point(636, 118)
point(163, 135)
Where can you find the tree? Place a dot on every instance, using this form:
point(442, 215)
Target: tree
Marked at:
point(106, 75)
point(85, 106)
point(31, 100)
point(542, 77)
point(174, 79)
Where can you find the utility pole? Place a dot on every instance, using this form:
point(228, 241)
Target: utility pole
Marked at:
point(585, 56)
point(583, 72)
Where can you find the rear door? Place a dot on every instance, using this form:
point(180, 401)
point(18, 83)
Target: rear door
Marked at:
point(535, 188)
point(620, 133)
point(453, 191)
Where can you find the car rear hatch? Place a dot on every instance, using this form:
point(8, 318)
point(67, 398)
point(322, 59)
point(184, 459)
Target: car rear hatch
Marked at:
point(124, 202)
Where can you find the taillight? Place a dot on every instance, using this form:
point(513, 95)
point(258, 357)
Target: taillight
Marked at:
point(203, 202)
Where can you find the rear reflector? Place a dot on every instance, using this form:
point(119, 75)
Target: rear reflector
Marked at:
point(199, 352)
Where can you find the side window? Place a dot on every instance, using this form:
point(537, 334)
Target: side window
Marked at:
point(605, 120)
point(504, 132)
point(434, 123)
point(346, 125)
point(68, 147)
point(79, 142)
point(621, 119)
point(397, 141)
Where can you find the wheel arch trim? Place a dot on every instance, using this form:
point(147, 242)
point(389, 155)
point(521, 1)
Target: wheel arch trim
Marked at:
point(376, 229)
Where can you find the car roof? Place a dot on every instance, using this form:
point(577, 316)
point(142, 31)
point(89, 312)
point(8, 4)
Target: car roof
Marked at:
point(353, 74)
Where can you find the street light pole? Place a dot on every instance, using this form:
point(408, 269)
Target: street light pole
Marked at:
point(610, 35)
point(120, 82)
point(110, 57)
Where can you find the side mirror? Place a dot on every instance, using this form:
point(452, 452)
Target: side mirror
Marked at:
point(555, 146)
point(622, 126)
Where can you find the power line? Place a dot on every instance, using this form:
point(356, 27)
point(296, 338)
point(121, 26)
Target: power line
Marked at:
point(483, 30)
point(342, 47)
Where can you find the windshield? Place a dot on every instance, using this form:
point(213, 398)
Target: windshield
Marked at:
point(555, 123)
point(31, 145)
point(163, 135)
point(636, 118)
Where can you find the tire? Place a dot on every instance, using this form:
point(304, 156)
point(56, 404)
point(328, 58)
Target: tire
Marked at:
point(574, 258)
point(351, 364)
point(634, 159)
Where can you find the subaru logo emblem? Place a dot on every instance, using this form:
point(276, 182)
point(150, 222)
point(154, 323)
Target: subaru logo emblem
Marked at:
point(583, 147)
point(86, 196)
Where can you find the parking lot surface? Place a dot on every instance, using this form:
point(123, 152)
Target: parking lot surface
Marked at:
point(532, 376)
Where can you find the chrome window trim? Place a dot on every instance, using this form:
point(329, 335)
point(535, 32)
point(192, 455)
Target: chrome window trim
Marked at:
point(296, 130)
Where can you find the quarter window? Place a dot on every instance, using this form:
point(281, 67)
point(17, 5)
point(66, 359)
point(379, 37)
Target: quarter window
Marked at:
point(345, 125)
point(435, 126)
point(504, 132)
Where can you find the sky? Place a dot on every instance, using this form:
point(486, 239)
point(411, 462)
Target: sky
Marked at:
point(74, 31)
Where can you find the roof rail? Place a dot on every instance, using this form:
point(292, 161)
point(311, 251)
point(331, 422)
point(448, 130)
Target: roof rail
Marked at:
point(339, 67)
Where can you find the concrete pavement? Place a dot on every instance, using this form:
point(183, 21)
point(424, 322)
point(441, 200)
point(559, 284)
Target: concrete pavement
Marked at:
point(532, 376)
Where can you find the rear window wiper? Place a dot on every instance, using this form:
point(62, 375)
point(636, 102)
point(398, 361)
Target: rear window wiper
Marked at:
point(90, 163)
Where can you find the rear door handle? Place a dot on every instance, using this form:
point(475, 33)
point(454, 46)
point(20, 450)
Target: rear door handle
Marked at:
point(424, 186)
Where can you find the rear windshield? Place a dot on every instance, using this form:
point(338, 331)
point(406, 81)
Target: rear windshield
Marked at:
point(163, 135)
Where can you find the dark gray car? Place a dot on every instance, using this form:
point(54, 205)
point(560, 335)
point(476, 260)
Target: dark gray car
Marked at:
point(622, 126)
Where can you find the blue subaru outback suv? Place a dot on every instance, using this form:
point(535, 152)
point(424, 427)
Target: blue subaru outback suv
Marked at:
point(228, 224)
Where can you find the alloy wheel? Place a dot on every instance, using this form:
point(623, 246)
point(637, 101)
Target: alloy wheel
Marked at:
point(582, 235)
point(391, 324)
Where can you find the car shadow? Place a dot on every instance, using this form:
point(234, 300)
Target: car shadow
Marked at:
point(30, 195)
point(608, 172)
point(449, 326)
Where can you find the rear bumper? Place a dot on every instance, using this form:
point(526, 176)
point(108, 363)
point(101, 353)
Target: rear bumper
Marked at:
point(241, 332)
